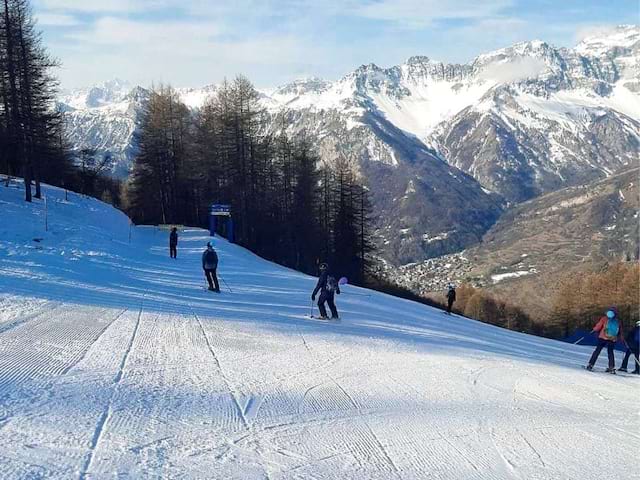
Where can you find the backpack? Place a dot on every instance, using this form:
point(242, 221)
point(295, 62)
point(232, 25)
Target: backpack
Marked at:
point(332, 284)
point(612, 328)
point(211, 258)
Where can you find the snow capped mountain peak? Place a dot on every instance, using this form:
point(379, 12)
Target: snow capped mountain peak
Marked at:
point(522, 120)
point(303, 85)
point(116, 85)
point(606, 40)
point(418, 60)
point(109, 92)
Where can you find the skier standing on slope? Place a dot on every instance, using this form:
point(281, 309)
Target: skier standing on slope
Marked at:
point(210, 266)
point(633, 348)
point(609, 329)
point(328, 287)
point(173, 243)
point(451, 297)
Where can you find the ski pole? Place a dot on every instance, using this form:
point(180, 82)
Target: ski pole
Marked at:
point(632, 353)
point(226, 284)
point(579, 340)
point(311, 312)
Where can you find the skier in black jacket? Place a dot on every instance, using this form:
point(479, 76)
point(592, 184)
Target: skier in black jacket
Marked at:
point(633, 348)
point(210, 266)
point(173, 243)
point(451, 297)
point(328, 287)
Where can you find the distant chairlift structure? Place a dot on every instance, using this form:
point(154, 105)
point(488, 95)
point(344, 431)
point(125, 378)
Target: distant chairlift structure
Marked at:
point(223, 211)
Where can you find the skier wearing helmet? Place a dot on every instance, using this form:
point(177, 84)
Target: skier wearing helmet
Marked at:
point(609, 329)
point(210, 266)
point(328, 287)
point(632, 342)
point(451, 297)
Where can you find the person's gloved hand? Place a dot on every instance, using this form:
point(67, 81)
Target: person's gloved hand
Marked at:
point(313, 298)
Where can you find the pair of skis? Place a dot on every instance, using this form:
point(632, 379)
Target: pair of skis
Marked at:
point(324, 319)
point(614, 372)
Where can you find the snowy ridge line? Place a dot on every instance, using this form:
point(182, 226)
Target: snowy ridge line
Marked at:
point(106, 414)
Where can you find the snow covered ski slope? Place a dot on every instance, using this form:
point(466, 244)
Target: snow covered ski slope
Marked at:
point(115, 362)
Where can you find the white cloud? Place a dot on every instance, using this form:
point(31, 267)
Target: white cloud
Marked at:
point(419, 13)
point(593, 30)
point(168, 36)
point(513, 70)
point(103, 6)
point(57, 20)
point(194, 42)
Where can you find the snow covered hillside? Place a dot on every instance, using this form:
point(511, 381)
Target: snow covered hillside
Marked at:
point(114, 361)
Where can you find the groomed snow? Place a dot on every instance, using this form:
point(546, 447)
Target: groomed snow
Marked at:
point(115, 362)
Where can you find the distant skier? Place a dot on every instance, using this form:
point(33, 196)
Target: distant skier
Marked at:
point(609, 329)
point(210, 267)
point(451, 297)
point(633, 348)
point(328, 287)
point(173, 243)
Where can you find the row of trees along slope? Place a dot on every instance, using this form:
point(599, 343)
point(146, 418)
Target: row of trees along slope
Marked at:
point(287, 207)
point(31, 140)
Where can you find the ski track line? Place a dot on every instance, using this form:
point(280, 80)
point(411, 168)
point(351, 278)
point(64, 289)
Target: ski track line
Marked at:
point(106, 414)
point(394, 468)
point(224, 377)
point(46, 308)
point(241, 411)
point(534, 397)
point(511, 468)
point(56, 346)
point(471, 385)
point(84, 354)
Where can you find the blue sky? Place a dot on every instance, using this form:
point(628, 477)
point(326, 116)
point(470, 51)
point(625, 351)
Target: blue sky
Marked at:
point(198, 42)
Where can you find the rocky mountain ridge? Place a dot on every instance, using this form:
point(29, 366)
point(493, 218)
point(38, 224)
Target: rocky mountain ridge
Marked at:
point(572, 229)
point(443, 147)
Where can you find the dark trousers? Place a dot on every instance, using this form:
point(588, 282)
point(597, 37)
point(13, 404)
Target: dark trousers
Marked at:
point(449, 304)
point(627, 355)
point(328, 298)
point(173, 251)
point(212, 278)
point(601, 344)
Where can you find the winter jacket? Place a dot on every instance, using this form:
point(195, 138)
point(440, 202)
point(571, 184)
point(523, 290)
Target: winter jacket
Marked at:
point(601, 327)
point(173, 239)
point(451, 295)
point(209, 263)
point(322, 284)
point(633, 339)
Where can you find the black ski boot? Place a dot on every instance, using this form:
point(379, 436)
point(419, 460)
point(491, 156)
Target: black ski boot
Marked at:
point(589, 367)
point(612, 371)
point(623, 370)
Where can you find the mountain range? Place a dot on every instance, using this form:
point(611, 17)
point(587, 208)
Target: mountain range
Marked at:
point(445, 148)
